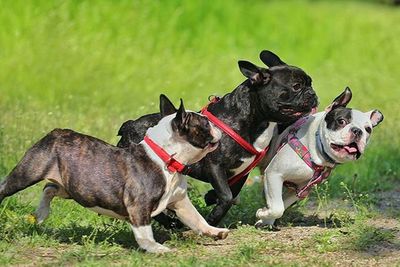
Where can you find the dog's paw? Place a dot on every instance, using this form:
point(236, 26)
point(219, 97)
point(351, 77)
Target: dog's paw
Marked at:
point(265, 226)
point(262, 213)
point(216, 233)
point(259, 224)
point(236, 200)
point(41, 214)
point(158, 248)
point(223, 233)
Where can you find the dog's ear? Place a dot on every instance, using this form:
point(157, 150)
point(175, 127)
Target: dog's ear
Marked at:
point(375, 116)
point(270, 59)
point(255, 74)
point(341, 101)
point(181, 116)
point(166, 106)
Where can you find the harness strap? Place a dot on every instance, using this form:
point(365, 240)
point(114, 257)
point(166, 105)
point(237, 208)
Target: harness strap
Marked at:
point(300, 149)
point(229, 131)
point(320, 172)
point(238, 139)
point(172, 164)
point(317, 178)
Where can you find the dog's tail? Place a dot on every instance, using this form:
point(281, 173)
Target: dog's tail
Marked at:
point(37, 162)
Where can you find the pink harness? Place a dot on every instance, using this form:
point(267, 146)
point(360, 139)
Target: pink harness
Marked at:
point(320, 172)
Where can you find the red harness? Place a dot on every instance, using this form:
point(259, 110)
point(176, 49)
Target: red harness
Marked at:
point(171, 164)
point(235, 136)
point(320, 172)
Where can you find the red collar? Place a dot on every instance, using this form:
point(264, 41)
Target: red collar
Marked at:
point(235, 136)
point(320, 172)
point(172, 164)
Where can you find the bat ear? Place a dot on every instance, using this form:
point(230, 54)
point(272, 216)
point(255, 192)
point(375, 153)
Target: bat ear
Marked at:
point(270, 59)
point(181, 120)
point(341, 100)
point(166, 106)
point(255, 74)
point(376, 117)
point(181, 113)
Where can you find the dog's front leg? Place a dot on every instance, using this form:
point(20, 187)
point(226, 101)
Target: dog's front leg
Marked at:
point(219, 181)
point(273, 194)
point(188, 214)
point(289, 198)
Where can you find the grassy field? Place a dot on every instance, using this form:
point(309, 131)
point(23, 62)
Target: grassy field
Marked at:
point(91, 65)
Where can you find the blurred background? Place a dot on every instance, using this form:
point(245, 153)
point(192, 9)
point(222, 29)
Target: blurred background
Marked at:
point(91, 65)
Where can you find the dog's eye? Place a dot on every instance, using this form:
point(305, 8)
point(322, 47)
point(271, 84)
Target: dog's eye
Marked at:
point(296, 86)
point(368, 129)
point(342, 122)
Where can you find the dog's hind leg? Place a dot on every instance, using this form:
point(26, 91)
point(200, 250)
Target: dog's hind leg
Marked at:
point(36, 164)
point(50, 191)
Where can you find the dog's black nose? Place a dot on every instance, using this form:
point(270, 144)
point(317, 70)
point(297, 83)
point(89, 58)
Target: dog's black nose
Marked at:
point(356, 131)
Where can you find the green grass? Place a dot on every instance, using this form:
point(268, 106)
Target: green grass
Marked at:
point(90, 66)
point(74, 64)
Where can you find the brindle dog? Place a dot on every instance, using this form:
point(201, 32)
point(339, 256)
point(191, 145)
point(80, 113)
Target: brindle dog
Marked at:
point(130, 183)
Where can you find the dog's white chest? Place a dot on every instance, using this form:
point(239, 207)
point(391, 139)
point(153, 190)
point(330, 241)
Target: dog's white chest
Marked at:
point(260, 144)
point(175, 190)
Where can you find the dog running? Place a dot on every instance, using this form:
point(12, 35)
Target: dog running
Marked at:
point(133, 183)
point(306, 153)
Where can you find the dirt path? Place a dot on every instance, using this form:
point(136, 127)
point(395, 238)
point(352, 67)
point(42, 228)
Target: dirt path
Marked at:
point(373, 242)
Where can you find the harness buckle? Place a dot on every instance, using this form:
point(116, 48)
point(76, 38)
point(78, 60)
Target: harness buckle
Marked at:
point(213, 98)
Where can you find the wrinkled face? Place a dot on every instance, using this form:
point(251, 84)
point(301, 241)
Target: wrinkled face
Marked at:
point(284, 92)
point(345, 133)
point(197, 130)
point(289, 93)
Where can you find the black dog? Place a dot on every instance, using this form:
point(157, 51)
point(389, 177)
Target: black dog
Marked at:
point(280, 94)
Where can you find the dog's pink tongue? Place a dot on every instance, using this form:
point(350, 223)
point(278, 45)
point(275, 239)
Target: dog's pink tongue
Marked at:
point(350, 149)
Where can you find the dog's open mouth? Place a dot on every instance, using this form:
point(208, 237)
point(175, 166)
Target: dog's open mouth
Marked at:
point(351, 149)
point(292, 112)
point(299, 113)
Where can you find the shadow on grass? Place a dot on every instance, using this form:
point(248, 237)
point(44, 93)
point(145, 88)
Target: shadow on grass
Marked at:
point(98, 234)
point(375, 240)
point(294, 217)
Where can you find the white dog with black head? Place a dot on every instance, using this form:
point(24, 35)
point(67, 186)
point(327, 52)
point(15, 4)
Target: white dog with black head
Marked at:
point(305, 153)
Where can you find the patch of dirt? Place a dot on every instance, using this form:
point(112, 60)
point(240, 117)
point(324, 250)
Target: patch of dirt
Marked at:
point(296, 244)
point(389, 201)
